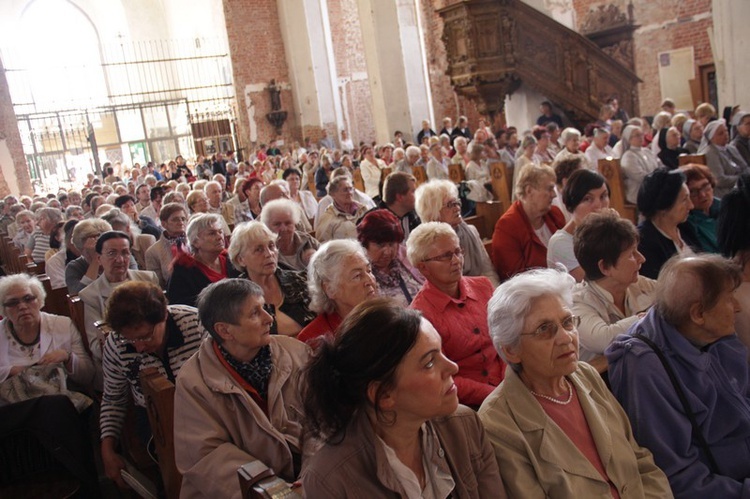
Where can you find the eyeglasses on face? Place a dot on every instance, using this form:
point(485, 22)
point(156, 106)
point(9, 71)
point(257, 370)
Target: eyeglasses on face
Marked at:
point(548, 330)
point(447, 256)
point(452, 204)
point(112, 254)
point(17, 301)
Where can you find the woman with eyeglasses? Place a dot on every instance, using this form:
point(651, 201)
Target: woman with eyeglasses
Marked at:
point(703, 218)
point(146, 332)
point(437, 201)
point(556, 429)
point(457, 306)
point(32, 341)
point(522, 234)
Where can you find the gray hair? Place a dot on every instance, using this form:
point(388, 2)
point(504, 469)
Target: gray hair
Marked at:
point(423, 238)
point(429, 198)
point(326, 266)
point(211, 183)
point(511, 302)
point(533, 176)
point(54, 215)
point(244, 235)
point(170, 198)
point(25, 213)
point(222, 301)
point(200, 222)
point(569, 133)
point(86, 228)
point(116, 218)
point(412, 152)
point(333, 185)
point(11, 281)
point(70, 209)
point(280, 206)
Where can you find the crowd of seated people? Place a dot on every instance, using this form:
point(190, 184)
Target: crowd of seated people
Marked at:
point(259, 286)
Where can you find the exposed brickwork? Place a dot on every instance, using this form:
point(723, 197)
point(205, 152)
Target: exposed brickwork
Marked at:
point(257, 53)
point(349, 52)
point(9, 132)
point(665, 25)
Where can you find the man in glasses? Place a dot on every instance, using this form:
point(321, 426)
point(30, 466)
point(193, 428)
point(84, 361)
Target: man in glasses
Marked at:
point(113, 250)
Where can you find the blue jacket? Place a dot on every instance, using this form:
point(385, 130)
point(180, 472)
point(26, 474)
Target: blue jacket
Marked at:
point(715, 382)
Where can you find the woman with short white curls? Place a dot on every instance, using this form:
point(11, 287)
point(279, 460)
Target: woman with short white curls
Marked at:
point(556, 429)
point(295, 247)
point(437, 201)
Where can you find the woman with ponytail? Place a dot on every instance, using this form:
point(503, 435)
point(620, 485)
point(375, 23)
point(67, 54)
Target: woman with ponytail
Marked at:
point(382, 397)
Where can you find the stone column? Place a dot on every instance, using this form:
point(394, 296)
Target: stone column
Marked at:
point(396, 64)
point(14, 172)
point(306, 31)
point(730, 47)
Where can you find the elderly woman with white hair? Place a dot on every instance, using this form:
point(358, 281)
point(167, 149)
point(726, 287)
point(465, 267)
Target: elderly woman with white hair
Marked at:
point(253, 251)
point(457, 306)
point(31, 337)
point(556, 429)
point(294, 247)
point(725, 163)
point(207, 261)
point(437, 201)
point(636, 162)
point(339, 278)
point(141, 241)
point(571, 141)
point(38, 242)
point(478, 174)
point(340, 218)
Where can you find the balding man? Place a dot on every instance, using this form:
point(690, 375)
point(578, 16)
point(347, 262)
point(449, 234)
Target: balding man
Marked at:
point(681, 375)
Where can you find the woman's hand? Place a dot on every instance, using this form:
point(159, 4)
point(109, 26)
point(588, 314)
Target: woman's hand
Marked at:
point(55, 356)
point(113, 463)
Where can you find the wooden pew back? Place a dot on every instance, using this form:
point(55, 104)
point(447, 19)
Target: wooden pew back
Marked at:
point(610, 170)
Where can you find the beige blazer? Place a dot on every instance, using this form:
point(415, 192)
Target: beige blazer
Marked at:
point(537, 459)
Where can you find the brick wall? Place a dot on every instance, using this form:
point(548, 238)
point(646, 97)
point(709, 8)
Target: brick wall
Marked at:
point(9, 132)
point(665, 25)
point(257, 53)
point(351, 67)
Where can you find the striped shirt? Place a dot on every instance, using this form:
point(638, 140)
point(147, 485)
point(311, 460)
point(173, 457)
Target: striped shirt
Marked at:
point(122, 365)
point(38, 243)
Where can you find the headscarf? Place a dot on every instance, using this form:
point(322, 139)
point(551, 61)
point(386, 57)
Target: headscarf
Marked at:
point(686, 127)
point(626, 137)
point(708, 133)
point(736, 120)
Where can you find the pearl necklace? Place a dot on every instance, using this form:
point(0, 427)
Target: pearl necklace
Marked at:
point(553, 399)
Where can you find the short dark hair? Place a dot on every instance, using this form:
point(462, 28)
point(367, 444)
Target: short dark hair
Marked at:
point(659, 190)
point(134, 303)
point(156, 192)
point(121, 200)
point(579, 184)
point(396, 183)
point(169, 209)
point(379, 226)
point(222, 301)
point(602, 237)
point(565, 168)
point(368, 346)
point(110, 234)
point(291, 171)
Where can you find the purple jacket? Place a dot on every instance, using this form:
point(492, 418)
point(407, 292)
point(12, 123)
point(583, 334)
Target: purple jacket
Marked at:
point(715, 382)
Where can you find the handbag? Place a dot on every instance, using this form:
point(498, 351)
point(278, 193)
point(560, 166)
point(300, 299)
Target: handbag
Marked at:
point(38, 381)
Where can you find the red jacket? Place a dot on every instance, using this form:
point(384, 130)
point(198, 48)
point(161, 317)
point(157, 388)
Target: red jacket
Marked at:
point(515, 245)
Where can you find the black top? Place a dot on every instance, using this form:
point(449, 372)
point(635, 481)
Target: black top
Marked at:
point(657, 248)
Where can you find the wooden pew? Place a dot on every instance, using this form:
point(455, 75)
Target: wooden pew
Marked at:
point(384, 173)
point(56, 301)
point(478, 222)
point(456, 173)
point(490, 212)
point(420, 174)
point(359, 182)
point(258, 481)
point(687, 159)
point(159, 394)
point(75, 305)
point(610, 170)
point(501, 183)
